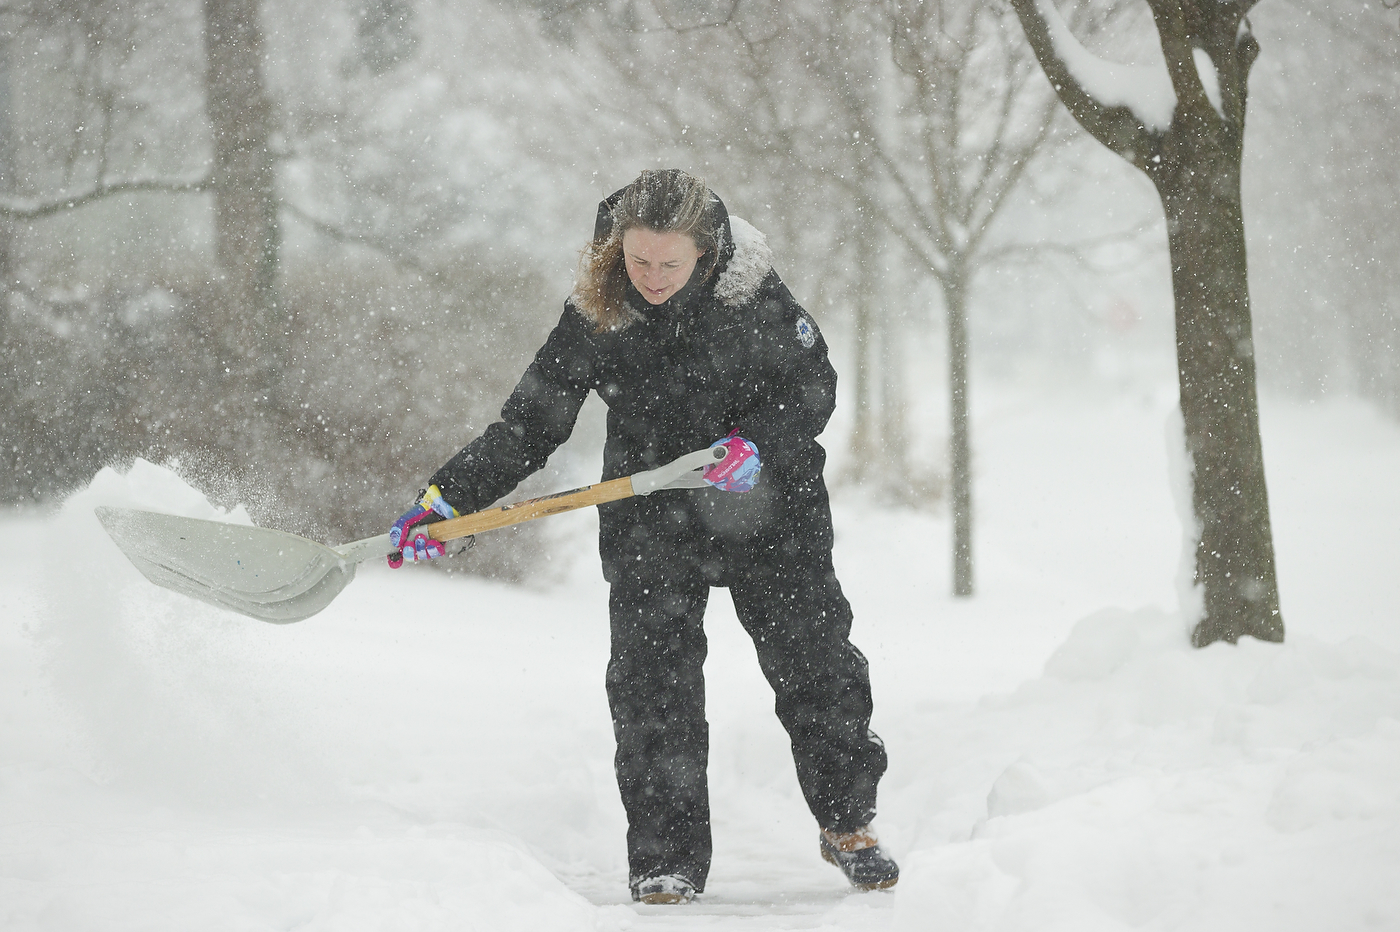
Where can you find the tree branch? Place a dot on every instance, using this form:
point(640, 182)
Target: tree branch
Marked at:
point(341, 235)
point(724, 18)
point(16, 208)
point(1178, 48)
point(1076, 251)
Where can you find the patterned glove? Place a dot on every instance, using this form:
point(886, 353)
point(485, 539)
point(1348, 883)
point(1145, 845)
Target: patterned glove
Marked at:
point(419, 546)
point(738, 471)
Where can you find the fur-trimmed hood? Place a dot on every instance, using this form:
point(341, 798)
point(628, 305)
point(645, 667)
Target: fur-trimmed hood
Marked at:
point(750, 260)
point(744, 257)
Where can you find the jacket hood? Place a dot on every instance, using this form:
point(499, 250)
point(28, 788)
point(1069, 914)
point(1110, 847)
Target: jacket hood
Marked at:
point(744, 257)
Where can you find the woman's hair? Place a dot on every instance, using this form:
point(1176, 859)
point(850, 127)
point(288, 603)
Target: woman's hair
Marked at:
point(663, 200)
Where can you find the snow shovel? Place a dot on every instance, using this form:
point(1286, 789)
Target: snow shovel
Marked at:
point(279, 577)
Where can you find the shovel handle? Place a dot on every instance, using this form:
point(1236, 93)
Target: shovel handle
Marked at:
point(681, 473)
point(530, 509)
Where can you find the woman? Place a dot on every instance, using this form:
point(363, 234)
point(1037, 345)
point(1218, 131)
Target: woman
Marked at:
point(680, 324)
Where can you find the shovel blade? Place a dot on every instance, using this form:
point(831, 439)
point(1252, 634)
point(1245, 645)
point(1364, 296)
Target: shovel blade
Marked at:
point(265, 574)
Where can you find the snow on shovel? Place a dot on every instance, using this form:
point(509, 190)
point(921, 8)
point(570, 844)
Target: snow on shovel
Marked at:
point(279, 577)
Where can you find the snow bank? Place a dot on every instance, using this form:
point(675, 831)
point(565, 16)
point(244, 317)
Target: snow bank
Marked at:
point(203, 771)
point(265, 877)
point(168, 694)
point(1146, 784)
point(436, 753)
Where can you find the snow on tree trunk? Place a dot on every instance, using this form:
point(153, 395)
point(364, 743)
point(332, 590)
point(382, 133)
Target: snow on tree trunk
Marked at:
point(1187, 137)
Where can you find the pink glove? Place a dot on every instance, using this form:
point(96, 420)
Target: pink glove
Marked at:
point(409, 534)
point(738, 471)
point(420, 548)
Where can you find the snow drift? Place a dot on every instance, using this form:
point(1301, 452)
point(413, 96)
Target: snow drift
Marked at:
point(433, 753)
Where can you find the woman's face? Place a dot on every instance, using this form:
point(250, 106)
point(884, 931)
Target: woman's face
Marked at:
point(659, 264)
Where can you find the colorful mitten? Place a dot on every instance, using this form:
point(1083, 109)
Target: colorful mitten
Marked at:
point(738, 471)
point(416, 547)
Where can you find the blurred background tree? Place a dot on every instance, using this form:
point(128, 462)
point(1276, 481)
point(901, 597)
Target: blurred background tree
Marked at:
point(435, 168)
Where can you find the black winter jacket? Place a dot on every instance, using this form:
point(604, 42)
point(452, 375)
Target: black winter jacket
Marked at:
point(735, 351)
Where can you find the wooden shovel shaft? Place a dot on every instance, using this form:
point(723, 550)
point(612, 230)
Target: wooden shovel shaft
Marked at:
point(530, 509)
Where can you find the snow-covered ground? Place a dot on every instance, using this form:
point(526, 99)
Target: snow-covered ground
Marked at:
point(430, 753)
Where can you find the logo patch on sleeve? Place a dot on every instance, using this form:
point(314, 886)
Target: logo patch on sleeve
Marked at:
point(806, 332)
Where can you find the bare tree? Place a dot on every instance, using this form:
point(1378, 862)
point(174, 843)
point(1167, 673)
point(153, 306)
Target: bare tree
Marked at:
point(244, 180)
point(968, 130)
point(1326, 93)
point(85, 152)
point(77, 127)
point(1359, 126)
point(1187, 137)
point(384, 35)
point(952, 134)
point(7, 157)
point(755, 108)
point(912, 120)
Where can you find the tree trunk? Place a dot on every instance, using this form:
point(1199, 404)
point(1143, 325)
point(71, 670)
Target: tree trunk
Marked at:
point(1215, 365)
point(243, 180)
point(7, 180)
point(959, 448)
point(10, 394)
point(864, 441)
point(894, 406)
point(1195, 165)
point(865, 435)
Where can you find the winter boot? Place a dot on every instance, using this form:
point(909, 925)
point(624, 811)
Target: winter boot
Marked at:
point(859, 856)
point(664, 890)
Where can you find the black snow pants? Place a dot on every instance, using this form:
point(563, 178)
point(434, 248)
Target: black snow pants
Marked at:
point(788, 599)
